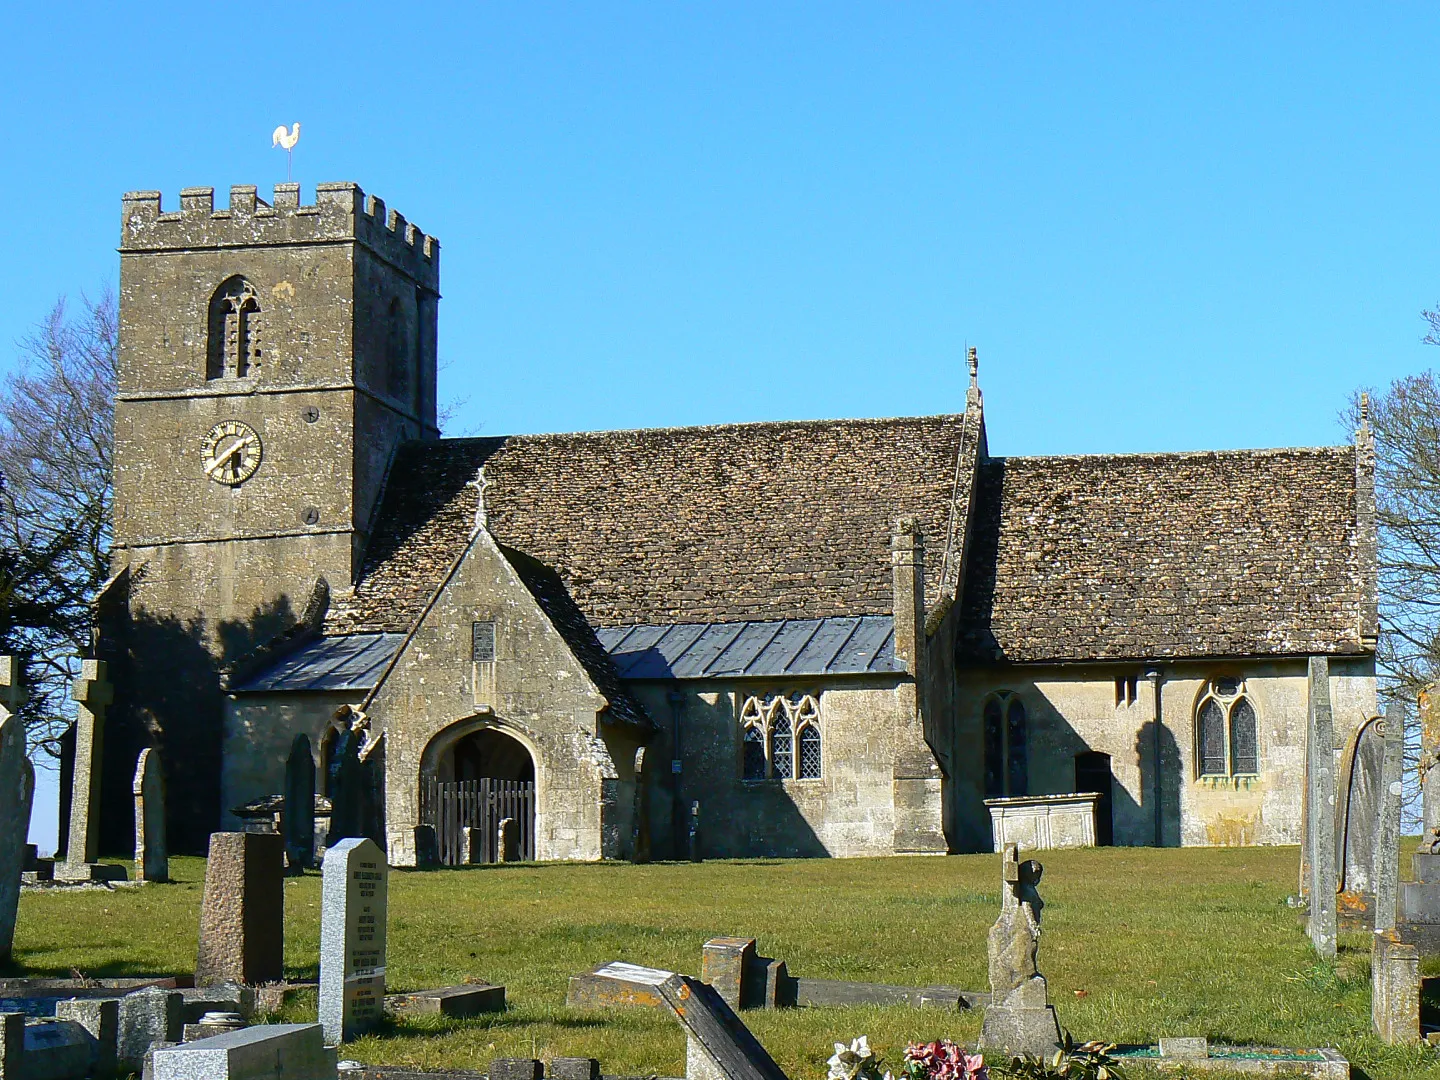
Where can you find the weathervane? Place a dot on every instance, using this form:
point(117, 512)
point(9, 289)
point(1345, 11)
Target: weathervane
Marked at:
point(287, 139)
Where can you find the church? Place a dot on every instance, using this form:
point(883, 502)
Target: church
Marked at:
point(809, 638)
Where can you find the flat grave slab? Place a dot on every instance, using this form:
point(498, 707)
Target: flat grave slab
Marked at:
point(470, 999)
point(1253, 1060)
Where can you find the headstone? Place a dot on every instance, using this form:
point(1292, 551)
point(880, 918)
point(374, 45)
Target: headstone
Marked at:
point(93, 694)
point(695, 855)
point(1429, 770)
point(299, 816)
point(346, 779)
point(568, 1068)
point(147, 1017)
point(56, 1050)
point(352, 939)
point(152, 856)
point(640, 826)
point(723, 964)
point(507, 841)
point(1184, 1047)
point(101, 1018)
point(472, 845)
point(1320, 810)
point(12, 1044)
point(516, 1069)
point(1395, 989)
point(471, 999)
point(1358, 810)
point(1019, 1018)
point(242, 915)
point(427, 847)
point(1387, 829)
point(263, 1052)
point(17, 789)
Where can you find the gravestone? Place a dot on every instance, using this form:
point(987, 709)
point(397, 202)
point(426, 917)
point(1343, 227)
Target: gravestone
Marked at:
point(150, 1016)
point(1387, 828)
point(352, 939)
point(472, 845)
point(242, 915)
point(265, 1052)
point(93, 694)
point(1429, 770)
point(299, 814)
point(471, 999)
point(1395, 989)
point(723, 964)
point(1320, 810)
point(1019, 1018)
point(152, 857)
point(17, 790)
point(640, 821)
point(694, 839)
point(347, 778)
point(507, 841)
point(101, 1018)
point(1358, 810)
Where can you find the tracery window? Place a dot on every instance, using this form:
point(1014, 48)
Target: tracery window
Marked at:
point(1226, 735)
point(773, 725)
point(233, 342)
point(1007, 762)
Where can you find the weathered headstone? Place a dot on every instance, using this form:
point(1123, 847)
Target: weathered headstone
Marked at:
point(1358, 810)
point(1395, 989)
point(1019, 1018)
point(640, 823)
point(507, 841)
point(299, 815)
point(471, 999)
point(101, 1018)
point(346, 778)
point(1320, 810)
point(264, 1052)
point(1429, 770)
point(17, 790)
point(152, 855)
point(147, 1017)
point(472, 845)
point(1387, 827)
point(352, 939)
point(427, 847)
point(93, 694)
point(694, 839)
point(723, 964)
point(242, 915)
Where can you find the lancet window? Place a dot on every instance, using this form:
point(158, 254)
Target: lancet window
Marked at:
point(781, 736)
point(1007, 761)
point(1226, 735)
point(234, 338)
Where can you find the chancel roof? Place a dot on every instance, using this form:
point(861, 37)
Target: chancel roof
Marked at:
point(747, 522)
point(1109, 557)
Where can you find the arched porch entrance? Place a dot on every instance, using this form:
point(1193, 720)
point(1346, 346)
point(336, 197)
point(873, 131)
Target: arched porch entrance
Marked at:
point(473, 776)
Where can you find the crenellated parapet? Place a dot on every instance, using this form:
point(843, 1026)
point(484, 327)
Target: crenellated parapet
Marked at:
point(341, 213)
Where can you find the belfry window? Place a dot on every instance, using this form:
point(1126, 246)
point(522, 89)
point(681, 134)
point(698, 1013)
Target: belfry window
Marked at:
point(397, 353)
point(233, 341)
point(781, 737)
point(1007, 763)
point(1226, 735)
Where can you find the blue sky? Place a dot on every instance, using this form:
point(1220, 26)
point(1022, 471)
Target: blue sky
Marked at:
point(1165, 227)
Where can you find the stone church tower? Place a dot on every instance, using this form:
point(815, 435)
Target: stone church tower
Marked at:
point(272, 358)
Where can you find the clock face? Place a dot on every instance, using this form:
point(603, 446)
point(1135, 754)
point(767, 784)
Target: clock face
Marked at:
point(231, 452)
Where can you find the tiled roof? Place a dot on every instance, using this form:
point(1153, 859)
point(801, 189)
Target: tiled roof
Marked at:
point(834, 646)
point(656, 527)
point(1242, 553)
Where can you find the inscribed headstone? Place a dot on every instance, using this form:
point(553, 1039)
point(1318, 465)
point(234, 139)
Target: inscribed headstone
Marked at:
point(152, 855)
point(299, 816)
point(242, 915)
point(17, 789)
point(92, 693)
point(1320, 809)
point(1387, 827)
point(352, 938)
point(1361, 794)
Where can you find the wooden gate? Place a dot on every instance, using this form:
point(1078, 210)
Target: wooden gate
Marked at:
point(480, 804)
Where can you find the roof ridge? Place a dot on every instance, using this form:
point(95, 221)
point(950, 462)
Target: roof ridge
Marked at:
point(859, 421)
point(1246, 452)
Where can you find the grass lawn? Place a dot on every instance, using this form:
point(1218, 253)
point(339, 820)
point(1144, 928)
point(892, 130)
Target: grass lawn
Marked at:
point(1138, 943)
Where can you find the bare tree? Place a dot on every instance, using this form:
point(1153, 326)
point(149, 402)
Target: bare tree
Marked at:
point(56, 443)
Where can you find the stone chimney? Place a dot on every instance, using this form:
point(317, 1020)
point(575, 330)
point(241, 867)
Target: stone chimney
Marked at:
point(907, 565)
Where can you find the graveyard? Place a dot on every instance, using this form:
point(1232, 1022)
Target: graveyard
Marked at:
point(1139, 944)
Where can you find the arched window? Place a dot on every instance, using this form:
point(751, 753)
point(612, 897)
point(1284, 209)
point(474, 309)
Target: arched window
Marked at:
point(1007, 763)
point(771, 725)
point(782, 747)
point(1226, 731)
point(397, 353)
point(233, 342)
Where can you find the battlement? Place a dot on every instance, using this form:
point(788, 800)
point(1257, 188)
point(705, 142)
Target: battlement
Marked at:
point(341, 212)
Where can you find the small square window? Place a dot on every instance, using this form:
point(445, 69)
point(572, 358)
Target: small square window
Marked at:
point(482, 642)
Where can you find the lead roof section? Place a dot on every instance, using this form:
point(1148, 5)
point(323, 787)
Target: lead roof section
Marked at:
point(1120, 557)
point(330, 663)
point(834, 646)
point(748, 522)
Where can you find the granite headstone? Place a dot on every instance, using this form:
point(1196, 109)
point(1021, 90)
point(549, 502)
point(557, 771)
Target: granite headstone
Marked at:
point(152, 855)
point(353, 898)
point(242, 915)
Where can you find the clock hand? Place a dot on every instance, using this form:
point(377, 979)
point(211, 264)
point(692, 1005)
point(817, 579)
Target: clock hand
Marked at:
point(222, 457)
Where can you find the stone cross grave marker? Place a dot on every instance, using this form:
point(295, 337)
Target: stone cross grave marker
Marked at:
point(17, 789)
point(1387, 827)
point(1358, 811)
point(1320, 810)
point(299, 816)
point(1019, 1018)
point(352, 938)
point(242, 915)
point(93, 694)
point(152, 854)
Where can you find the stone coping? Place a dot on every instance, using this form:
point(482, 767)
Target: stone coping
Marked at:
point(1042, 800)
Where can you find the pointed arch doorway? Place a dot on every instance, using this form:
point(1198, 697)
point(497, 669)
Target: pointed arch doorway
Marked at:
point(472, 777)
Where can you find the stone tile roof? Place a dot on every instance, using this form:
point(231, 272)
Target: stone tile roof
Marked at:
point(1161, 555)
point(711, 524)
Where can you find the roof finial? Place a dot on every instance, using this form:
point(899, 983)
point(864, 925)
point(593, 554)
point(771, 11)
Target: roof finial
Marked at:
point(974, 361)
point(1364, 409)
